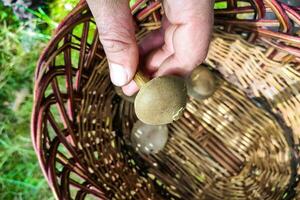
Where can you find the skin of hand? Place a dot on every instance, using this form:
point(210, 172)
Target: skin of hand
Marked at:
point(177, 48)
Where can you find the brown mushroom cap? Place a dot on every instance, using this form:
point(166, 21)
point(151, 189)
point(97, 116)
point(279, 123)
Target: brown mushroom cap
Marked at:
point(161, 100)
point(201, 84)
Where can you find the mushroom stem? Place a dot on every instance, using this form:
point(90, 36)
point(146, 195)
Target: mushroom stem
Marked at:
point(140, 79)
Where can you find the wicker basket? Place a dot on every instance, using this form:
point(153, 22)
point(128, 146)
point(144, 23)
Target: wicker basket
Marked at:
point(241, 143)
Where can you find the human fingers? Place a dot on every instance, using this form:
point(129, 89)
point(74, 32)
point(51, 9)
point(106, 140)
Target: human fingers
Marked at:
point(117, 35)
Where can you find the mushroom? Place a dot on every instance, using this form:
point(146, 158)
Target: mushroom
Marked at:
point(161, 100)
point(120, 92)
point(148, 139)
point(201, 84)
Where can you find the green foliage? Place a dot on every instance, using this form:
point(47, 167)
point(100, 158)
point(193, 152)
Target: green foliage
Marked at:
point(60, 8)
point(220, 5)
point(20, 46)
point(131, 2)
point(20, 176)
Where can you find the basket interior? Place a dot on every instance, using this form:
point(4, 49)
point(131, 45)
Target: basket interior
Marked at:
point(238, 144)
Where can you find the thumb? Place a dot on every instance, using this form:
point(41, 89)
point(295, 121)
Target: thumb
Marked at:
point(117, 35)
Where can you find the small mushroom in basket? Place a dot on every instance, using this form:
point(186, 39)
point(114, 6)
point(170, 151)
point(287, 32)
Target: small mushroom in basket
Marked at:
point(161, 100)
point(120, 92)
point(148, 139)
point(201, 84)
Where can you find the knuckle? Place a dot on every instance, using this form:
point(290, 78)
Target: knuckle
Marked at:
point(114, 45)
point(115, 39)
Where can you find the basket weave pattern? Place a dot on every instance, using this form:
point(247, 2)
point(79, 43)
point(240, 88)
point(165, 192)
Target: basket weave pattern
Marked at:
point(241, 143)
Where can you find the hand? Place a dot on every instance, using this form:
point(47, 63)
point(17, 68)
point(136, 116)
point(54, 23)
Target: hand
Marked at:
point(177, 48)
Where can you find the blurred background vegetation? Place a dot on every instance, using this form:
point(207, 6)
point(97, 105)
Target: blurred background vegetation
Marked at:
point(25, 28)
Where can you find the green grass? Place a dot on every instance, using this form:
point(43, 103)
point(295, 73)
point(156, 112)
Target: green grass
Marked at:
point(20, 47)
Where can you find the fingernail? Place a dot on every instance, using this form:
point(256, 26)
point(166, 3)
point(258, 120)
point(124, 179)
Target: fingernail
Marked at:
point(118, 74)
